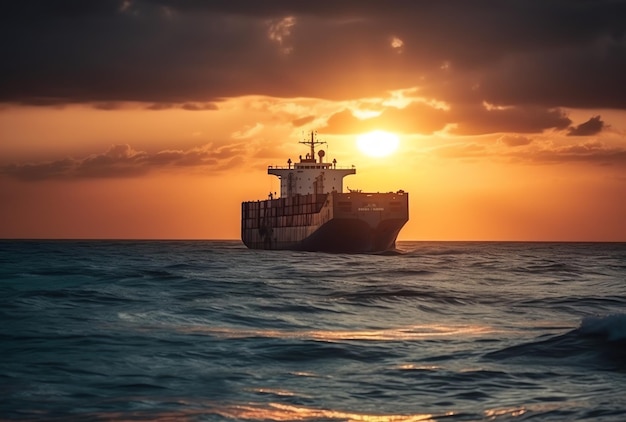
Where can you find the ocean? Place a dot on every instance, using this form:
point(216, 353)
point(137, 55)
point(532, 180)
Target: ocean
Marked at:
point(212, 331)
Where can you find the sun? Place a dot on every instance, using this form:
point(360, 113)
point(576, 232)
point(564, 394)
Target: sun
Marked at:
point(377, 143)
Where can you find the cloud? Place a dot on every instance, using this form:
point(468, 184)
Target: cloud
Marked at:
point(160, 106)
point(561, 53)
point(415, 118)
point(279, 32)
point(471, 119)
point(464, 119)
point(302, 121)
point(588, 152)
point(514, 140)
point(593, 126)
point(185, 106)
point(109, 105)
point(124, 161)
point(248, 131)
point(199, 106)
point(537, 152)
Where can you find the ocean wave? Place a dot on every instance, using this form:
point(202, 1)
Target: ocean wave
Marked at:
point(610, 327)
point(552, 269)
point(393, 334)
point(213, 331)
point(439, 251)
point(599, 341)
point(573, 304)
point(387, 295)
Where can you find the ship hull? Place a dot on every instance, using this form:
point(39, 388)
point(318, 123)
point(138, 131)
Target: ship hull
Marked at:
point(335, 222)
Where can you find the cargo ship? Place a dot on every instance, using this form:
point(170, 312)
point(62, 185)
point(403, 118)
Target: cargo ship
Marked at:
point(313, 213)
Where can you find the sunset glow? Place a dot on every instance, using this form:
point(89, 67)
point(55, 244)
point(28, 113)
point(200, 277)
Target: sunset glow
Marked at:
point(127, 136)
point(377, 143)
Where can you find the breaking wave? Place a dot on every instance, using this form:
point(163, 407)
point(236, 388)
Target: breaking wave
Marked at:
point(611, 327)
point(599, 342)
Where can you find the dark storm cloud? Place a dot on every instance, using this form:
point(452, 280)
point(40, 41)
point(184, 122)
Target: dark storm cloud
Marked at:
point(591, 127)
point(123, 161)
point(549, 54)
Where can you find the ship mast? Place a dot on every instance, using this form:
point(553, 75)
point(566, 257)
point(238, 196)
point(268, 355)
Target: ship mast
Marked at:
point(312, 142)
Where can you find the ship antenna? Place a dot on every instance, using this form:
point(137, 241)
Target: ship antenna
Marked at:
point(312, 142)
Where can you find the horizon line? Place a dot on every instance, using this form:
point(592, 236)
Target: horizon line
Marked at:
point(113, 239)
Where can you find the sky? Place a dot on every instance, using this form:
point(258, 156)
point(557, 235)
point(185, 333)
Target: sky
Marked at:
point(155, 119)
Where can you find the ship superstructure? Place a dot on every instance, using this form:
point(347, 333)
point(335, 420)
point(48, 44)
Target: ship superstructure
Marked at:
point(310, 175)
point(313, 213)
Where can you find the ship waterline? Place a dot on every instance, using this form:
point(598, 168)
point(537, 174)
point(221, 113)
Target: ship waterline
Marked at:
point(314, 214)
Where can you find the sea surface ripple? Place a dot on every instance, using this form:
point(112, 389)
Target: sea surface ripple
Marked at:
point(212, 331)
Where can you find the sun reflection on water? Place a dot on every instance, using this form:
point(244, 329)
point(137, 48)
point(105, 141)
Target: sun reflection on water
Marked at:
point(513, 411)
point(415, 332)
point(283, 412)
point(273, 391)
point(413, 367)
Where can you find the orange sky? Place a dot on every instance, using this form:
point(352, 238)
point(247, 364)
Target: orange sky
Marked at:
point(461, 187)
point(135, 157)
